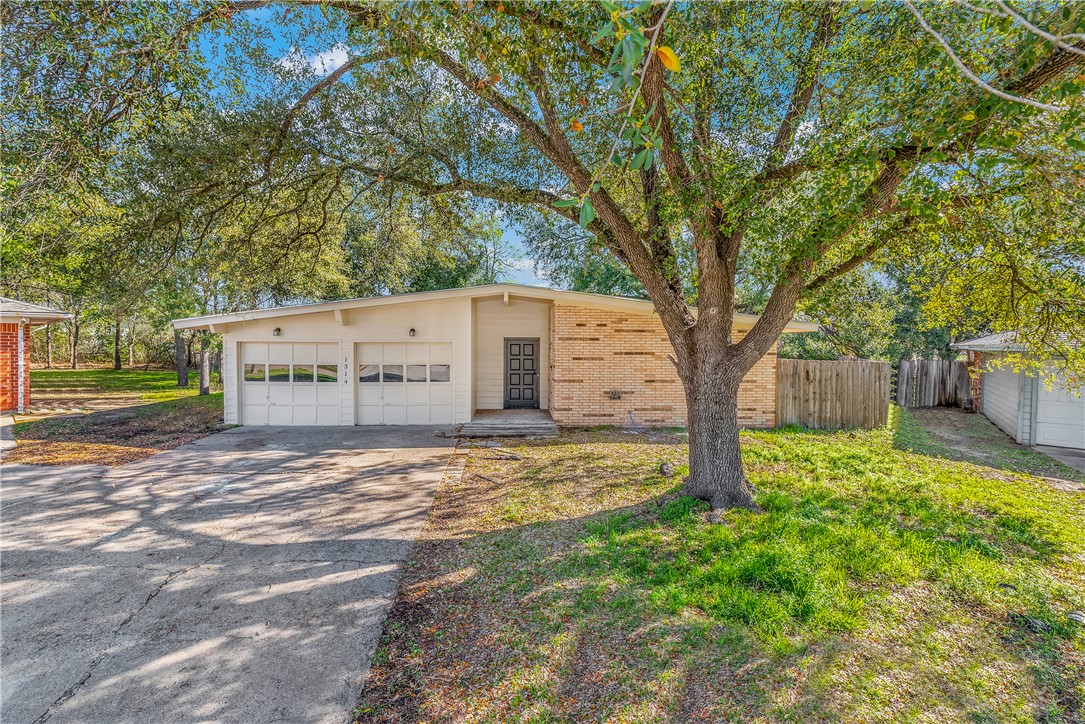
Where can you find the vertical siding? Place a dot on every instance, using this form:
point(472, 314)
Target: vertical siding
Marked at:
point(493, 323)
point(348, 384)
point(1025, 413)
point(231, 372)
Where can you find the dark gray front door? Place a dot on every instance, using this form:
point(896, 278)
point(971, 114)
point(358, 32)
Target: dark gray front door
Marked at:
point(521, 372)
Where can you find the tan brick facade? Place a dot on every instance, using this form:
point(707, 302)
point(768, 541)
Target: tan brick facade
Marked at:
point(9, 367)
point(605, 365)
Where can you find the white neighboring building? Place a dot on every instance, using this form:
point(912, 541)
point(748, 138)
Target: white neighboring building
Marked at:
point(1024, 406)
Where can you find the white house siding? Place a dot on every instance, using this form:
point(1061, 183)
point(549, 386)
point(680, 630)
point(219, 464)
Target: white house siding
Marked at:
point(443, 320)
point(493, 323)
point(231, 379)
point(1001, 400)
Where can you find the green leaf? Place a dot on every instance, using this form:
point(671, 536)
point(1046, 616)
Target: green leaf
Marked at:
point(609, 6)
point(587, 214)
point(639, 159)
point(565, 203)
point(606, 30)
point(645, 4)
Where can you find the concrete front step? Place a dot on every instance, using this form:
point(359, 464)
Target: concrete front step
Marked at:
point(489, 429)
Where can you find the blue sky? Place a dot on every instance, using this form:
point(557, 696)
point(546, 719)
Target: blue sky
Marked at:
point(316, 55)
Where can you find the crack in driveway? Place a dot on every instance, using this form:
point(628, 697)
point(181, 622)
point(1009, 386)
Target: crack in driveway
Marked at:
point(297, 566)
point(71, 691)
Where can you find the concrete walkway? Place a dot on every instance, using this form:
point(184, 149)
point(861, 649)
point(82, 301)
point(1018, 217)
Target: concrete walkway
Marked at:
point(7, 434)
point(242, 578)
point(1065, 455)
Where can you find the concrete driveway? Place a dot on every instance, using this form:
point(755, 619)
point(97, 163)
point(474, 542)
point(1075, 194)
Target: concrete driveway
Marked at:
point(242, 578)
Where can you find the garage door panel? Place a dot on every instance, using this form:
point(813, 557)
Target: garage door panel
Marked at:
point(280, 394)
point(371, 415)
point(280, 415)
point(1060, 417)
point(254, 414)
point(253, 352)
point(440, 353)
point(417, 394)
point(418, 414)
point(327, 414)
point(395, 415)
point(296, 390)
point(304, 354)
point(279, 352)
point(396, 383)
point(304, 394)
point(440, 414)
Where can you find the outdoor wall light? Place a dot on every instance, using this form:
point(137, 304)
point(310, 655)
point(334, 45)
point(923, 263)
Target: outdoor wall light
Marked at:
point(411, 333)
point(276, 332)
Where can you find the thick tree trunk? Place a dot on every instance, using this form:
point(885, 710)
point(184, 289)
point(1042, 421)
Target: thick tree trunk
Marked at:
point(715, 459)
point(116, 344)
point(205, 364)
point(48, 346)
point(180, 353)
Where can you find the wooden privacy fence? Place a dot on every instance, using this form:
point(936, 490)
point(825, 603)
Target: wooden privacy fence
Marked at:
point(831, 394)
point(933, 383)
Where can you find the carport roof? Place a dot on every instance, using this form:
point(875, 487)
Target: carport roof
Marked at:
point(520, 291)
point(13, 310)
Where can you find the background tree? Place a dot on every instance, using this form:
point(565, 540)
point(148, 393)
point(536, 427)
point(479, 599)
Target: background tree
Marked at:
point(705, 146)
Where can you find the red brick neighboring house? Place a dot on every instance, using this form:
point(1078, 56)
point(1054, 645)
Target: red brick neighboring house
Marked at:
point(16, 321)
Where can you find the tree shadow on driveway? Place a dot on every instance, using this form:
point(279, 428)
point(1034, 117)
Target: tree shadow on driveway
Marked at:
point(242, 577)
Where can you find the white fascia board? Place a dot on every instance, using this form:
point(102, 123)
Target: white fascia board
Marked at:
point(501, 291)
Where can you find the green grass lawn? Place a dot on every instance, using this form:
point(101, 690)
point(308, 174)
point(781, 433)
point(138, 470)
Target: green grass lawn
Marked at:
point(150, 385)
point(882, 582)
point(133, 414)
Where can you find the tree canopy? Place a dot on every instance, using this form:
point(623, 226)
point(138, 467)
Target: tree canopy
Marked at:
point(707, 147)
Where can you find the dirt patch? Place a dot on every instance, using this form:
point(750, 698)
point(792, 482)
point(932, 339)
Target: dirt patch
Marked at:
point(973, 438)
point(115, 436)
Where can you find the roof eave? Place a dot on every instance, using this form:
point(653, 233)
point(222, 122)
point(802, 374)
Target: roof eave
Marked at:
point(640, 306)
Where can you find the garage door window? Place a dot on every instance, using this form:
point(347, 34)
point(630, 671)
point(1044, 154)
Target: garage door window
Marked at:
point(439, 373)
point(327, 373)
point(255, 373)
point(303, 373)
point(369, 373)
point(416, 373)
point(278, 373)
point(392, 373)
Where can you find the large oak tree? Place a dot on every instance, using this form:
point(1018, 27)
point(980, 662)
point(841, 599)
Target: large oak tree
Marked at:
point(796, 143)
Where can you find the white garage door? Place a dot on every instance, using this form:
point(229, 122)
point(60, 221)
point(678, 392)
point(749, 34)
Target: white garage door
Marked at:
point(289, 384)
point(1060, 417)
point(404, 383)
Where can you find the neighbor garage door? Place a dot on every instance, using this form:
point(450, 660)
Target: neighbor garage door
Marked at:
point(404, 383)
point(289, 384)
point(1060, 417)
